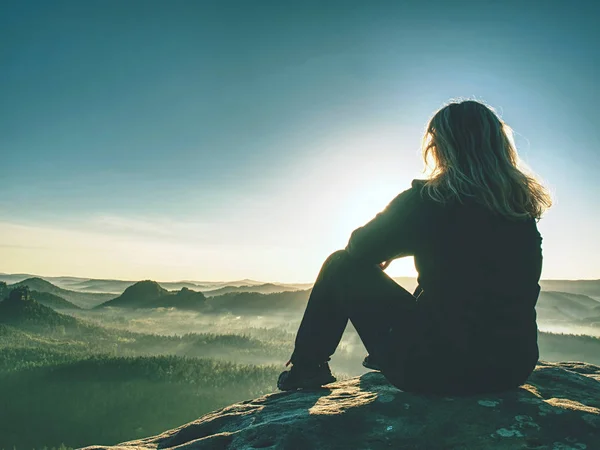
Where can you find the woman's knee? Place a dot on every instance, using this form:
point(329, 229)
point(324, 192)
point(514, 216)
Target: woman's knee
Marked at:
point(339, 264)
point(337, 258)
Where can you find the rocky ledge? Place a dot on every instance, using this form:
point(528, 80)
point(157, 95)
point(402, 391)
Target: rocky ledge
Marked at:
point(558, 409)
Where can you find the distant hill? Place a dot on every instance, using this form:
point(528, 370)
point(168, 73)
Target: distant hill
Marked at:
point(82, 299)
point(584, 287)
point(87, 292)
point(565, 306)
point(257, 303)
point(39, 284)
point(178, 285)
point(117, 287)
point(138, 295)
point(107, 286)
point(185, 298)
point(62, 282)
point(45, 298)
point(211, 285)
point(19, 308)
point(149, 294)
point(11, 278)
point(267, 288)
point(593, 321)
point(52, 301)
point(299, 286)
point(244, 282)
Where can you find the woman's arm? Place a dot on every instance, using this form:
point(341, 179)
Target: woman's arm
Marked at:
point(390, 234)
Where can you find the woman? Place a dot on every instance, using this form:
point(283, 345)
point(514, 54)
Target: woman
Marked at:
point(470, 326)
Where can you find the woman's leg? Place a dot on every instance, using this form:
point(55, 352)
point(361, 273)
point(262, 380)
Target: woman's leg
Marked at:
point(346, 290)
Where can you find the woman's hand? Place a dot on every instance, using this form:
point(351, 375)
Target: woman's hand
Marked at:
point(384, 265)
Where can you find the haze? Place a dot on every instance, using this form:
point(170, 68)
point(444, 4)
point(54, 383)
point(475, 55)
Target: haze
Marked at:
point(198, 140)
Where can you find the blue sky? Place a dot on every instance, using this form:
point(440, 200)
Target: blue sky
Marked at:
point(221, 140)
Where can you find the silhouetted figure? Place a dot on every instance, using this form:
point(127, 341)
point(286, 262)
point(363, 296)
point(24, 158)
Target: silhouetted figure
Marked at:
point(471, 226)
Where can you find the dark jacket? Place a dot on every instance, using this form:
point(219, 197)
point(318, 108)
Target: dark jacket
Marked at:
point(478, 280)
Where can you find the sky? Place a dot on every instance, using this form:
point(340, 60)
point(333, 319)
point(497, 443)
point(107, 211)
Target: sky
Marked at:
point(222, 140)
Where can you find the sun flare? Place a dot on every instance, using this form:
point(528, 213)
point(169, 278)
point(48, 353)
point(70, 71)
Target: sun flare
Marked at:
point(363, 204)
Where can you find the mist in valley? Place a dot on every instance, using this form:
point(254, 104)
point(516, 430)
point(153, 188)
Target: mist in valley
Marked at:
point(278, 328)
point(274, 332)
point(86, 360)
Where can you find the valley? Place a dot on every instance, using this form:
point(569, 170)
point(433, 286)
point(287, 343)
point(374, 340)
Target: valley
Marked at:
point(71, 359)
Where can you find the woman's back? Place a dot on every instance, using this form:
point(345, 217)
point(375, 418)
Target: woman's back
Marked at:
point(479, 273)
point(467, 249)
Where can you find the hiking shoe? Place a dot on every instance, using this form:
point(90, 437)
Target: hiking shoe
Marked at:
point(299, 377)
point(370, 364)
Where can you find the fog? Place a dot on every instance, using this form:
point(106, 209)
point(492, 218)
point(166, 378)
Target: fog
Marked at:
point(270, 337)
point(130, 362)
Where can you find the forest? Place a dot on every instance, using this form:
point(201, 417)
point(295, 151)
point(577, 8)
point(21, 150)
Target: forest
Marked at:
point(73, 373)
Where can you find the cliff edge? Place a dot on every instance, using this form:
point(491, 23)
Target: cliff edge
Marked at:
point(558, 409)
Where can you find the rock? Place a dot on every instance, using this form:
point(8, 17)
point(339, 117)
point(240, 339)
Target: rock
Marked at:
point(558, 409)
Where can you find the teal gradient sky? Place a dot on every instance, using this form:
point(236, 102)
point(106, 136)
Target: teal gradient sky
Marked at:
point(221, 140)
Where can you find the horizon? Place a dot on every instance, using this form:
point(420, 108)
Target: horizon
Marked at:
point(196, 140)
point(224, 281)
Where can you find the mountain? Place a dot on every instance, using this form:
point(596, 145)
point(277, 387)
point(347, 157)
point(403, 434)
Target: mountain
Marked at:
point(19, 308)
point(299, 286)
point(118, 286)
point(178, 285)
point(107, 286)
point(183, 299)
point(267, 288)
point(149, 294)
point(52, 301)
point(593, 321)
point(138, 295)
point(41, 285)
point(244, 282)
point(62, 282)
point(559, 408)
point(82, 299)
point(565, 306)
point(219, 284)
point(256, 303)
point(12, 278)
point(584, 287)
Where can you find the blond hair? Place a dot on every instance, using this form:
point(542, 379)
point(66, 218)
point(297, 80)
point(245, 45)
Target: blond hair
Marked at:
point(471, 153)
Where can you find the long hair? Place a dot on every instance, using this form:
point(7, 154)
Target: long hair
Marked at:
point(472, 155)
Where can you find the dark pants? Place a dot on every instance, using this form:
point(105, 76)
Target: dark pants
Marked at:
point(381, 311)
point(407, 345)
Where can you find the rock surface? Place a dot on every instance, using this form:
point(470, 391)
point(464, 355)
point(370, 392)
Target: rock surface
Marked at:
point(558, 409)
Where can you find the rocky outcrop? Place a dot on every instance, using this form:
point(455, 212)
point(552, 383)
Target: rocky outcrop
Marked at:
point(137, 295)
point(558, 409)
point(149, 294)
